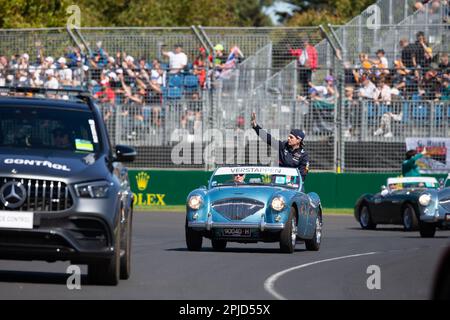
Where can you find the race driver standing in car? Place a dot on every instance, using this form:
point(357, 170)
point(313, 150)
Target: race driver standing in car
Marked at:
point(291, 153)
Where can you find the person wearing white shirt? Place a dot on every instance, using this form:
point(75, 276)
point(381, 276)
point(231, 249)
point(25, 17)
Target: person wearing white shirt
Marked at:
point(64, 73)
point(52, 82)
point(177, 60)
point(368, 89)
point(384, 97)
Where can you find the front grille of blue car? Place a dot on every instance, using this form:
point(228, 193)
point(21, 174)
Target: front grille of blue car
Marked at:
point(445, 203)
point(237, 208)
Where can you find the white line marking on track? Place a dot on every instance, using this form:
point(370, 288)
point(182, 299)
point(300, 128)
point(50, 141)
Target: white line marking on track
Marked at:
point(269, 284)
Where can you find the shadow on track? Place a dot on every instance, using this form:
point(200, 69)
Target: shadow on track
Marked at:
point(37, 277)
point(396, 229)
point(236, 250)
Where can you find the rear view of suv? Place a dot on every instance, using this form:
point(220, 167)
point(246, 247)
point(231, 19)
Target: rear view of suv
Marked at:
point(64, 194)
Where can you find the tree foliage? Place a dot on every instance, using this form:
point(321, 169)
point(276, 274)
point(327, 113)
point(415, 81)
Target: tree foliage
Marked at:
point(164, 13)
point(323, 11)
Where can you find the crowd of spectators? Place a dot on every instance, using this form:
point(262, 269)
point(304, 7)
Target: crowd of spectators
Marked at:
point(140, 84)
point(385, 86)
point(418, 74)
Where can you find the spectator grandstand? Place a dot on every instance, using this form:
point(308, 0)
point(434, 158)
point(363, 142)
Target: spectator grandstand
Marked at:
point(214, 77)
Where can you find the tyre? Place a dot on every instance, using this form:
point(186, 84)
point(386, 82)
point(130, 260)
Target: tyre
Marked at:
point(365, 218)
point(409, 218)
point(218, 245)
point(194, 239)
point(107, 272)
point(314, 243)
point(125, 259)
point(427, 230)
point(288, 236)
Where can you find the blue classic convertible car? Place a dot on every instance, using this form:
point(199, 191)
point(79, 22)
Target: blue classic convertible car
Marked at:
point(251, 204)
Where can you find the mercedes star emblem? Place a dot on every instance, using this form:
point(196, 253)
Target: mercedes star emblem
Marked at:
point(13, 194)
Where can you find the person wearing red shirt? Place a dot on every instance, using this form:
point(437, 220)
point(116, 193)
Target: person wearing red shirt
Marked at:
point(307, 61)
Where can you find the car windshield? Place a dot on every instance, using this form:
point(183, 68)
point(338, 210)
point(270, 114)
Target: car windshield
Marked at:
point(413, 185)
point(54, 129)
point(281, 180)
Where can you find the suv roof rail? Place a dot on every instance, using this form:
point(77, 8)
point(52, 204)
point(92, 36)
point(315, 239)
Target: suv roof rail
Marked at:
point(41, 90)
point(80, 94)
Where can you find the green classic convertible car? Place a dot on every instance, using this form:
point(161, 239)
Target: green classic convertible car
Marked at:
point(414, 202)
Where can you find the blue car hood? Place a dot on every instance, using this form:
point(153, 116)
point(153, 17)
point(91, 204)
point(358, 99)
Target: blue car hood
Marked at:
point(260, 193)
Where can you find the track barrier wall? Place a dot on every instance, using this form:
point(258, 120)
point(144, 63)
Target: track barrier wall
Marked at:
point(170, 188)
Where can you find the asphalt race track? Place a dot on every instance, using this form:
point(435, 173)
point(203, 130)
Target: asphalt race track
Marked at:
point(164, 269)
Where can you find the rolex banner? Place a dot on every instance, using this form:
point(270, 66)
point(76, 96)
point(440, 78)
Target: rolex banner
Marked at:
point(164, 188)
point(437, 159)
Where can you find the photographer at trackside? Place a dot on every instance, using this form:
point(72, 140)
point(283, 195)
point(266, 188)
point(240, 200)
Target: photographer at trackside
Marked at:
point(291, 153)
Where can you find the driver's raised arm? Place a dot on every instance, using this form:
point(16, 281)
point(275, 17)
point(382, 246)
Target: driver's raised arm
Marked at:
point(264, 135)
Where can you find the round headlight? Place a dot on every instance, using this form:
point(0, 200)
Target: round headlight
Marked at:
point(195, 202)
point(425, 200)
point(278, 203)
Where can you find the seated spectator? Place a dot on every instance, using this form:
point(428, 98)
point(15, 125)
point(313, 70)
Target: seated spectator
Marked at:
point(429, 87)
point(351, 110)
point(112, 65)
point(106, 96)
point(233, 59)
point(399, 77)
point(428, 59)
point(384, 98)
point(445, 92)
point(367, 90)
point(444, 66)
point(48, 63)
point(177, 59)
point(219, 60)
point(323, 102)
point(408, 54)
point(51, 82)
point(35, 77)
point(383, 93)
point(381, 63)
point(143, 65)
point(130, 70)
point(200, 67)
point(363, 67)
point(420, 47)
point(64, 73)
point(157, 77)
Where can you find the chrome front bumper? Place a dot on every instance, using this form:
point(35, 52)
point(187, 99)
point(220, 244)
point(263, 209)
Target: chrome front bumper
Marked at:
point(209, 225)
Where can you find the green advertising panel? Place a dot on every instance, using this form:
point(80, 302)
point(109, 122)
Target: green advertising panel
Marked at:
point(164, 188)
point(170, 188)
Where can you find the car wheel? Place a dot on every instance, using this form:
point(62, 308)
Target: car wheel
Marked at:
point(365, 219)
point(288, 236)
point(194, 239)
point(218, 245)
point(125, 259)
point(427, 230)
point(108, 272)
point(314, 243)
point(409, 218)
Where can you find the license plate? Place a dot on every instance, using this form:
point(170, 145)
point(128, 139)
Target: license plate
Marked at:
point(236, 232)
point(16, 219)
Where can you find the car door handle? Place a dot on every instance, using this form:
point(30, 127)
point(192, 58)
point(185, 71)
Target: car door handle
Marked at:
point(396, 201)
